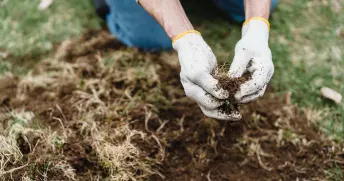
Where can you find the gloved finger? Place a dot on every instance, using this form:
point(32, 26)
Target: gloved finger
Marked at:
point(271, 73)
point(210, 85)
point(239, 64)
point(258, 81)
point(253, 97)
point(200, 96)
point(220, 115)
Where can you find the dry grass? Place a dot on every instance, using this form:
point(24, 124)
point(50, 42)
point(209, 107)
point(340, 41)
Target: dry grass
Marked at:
point(67, 170)
point(20, 127)
point(9, 151)
point(123, 159)
point(116, 151)
point(95, 100)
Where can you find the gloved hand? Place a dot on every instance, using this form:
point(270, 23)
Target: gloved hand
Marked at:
point(197, 62)
point(253, 54)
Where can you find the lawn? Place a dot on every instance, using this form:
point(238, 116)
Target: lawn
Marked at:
point(306, 39)
point(29, 33)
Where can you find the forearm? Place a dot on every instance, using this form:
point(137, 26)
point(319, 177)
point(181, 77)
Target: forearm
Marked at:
point(170, 14)
point(260, 8)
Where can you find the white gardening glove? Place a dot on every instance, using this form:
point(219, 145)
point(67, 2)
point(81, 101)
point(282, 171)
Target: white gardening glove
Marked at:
point(252, 53)
point(197, 62)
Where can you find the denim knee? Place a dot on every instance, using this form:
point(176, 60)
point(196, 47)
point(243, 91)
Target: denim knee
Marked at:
point(131, 24)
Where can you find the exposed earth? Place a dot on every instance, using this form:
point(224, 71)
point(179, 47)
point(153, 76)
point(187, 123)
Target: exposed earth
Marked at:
point(98, 110)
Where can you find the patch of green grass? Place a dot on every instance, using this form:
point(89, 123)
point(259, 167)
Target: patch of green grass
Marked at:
point(308, 44)
point(26, 30)
point(335, 174)
point(5, 66)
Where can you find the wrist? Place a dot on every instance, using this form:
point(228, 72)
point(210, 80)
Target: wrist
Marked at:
point(257, 8)
point(173, 30)
point(169, 14)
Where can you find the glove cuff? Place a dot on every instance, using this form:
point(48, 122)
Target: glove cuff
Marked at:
point(256, 28)
point(183, 34)
point(257, 18)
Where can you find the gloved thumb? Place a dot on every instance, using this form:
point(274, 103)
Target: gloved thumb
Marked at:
point(239, 64)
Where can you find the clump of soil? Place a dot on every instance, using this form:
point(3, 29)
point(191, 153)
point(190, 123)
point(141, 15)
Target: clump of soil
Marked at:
point(232, 86)
point(120, 114)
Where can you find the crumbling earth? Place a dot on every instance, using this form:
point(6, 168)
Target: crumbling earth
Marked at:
point(98, 110)
point(232, 86)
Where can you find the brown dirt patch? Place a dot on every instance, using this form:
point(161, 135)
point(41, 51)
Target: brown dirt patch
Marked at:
point(208, 149)
point(90, 92)
point(8, 86)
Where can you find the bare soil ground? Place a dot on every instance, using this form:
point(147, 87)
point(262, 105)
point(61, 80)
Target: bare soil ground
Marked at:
point(99, 110)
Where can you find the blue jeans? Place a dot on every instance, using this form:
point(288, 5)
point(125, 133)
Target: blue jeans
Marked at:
point(132, 25)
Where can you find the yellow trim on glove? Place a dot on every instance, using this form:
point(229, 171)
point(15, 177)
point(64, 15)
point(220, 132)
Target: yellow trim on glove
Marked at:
point(258, 18)
point(183, 34)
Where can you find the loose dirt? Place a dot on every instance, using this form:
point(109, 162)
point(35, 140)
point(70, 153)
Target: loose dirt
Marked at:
point(120, 114)
point(232, 86)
